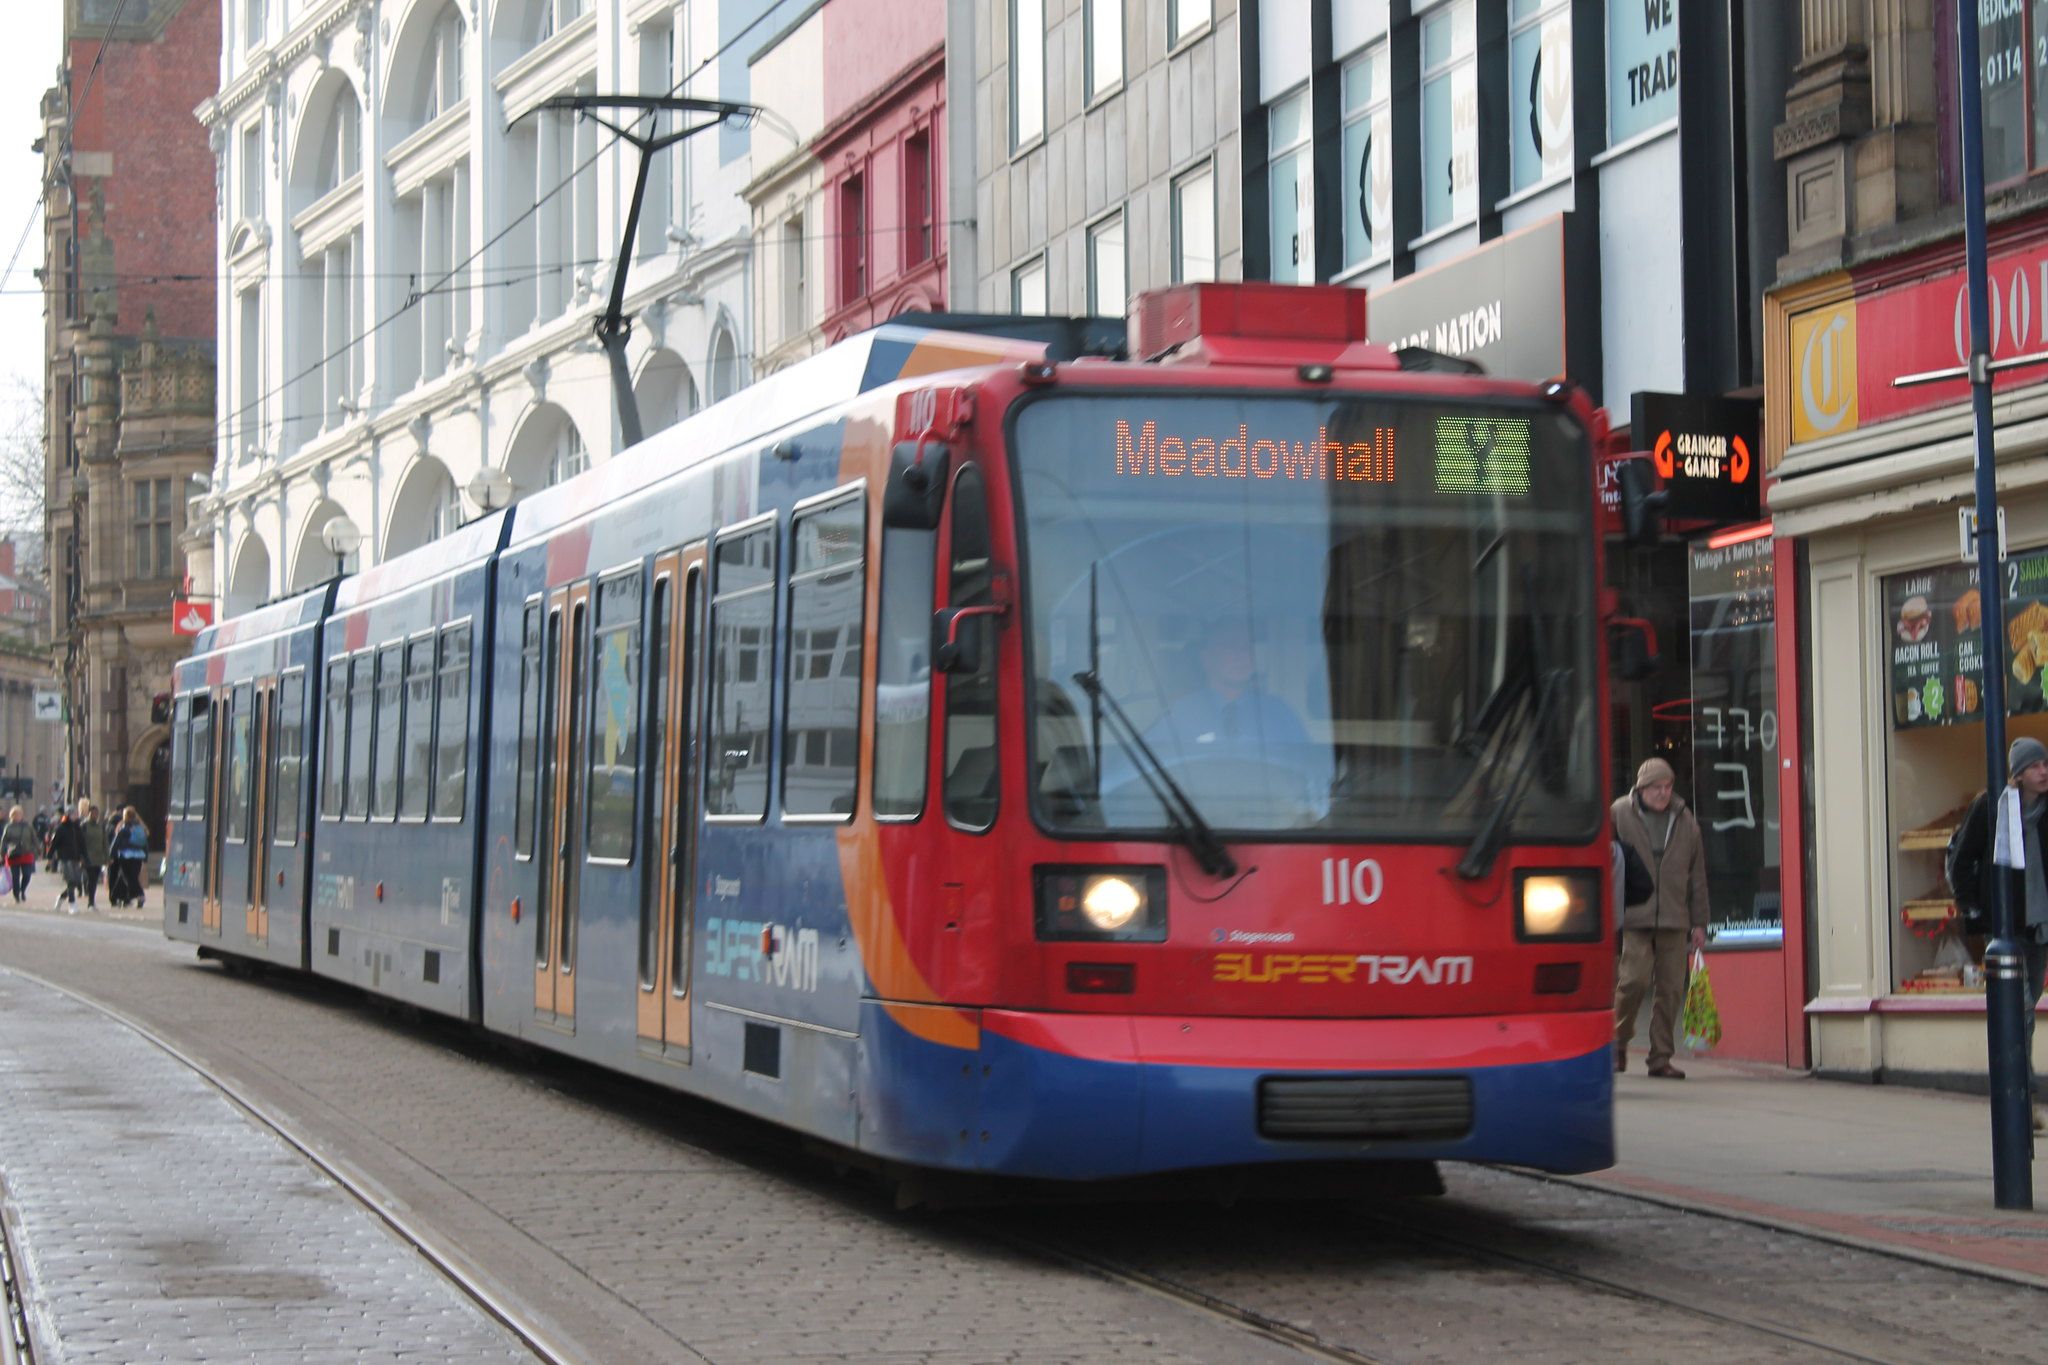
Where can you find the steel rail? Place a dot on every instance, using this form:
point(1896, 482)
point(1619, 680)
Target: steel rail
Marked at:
point(473, 1283)
point(16, 1346)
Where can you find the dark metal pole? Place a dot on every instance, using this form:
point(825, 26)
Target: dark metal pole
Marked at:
point(2005, 997)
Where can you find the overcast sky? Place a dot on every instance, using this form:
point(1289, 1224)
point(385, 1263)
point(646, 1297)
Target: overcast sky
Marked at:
point(28, 66)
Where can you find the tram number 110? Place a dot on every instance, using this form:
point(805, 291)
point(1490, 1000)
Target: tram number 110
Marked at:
point(1352, 882)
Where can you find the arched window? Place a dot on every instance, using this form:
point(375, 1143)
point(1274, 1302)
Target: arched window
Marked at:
point(341, 146)
point(442, 70)
point(725, 365)
point(569, 458)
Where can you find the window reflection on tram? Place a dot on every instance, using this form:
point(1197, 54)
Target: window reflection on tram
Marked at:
point(1378, 643)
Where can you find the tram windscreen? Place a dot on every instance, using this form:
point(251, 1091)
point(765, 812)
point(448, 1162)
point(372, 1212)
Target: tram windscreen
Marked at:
point(1350, 617)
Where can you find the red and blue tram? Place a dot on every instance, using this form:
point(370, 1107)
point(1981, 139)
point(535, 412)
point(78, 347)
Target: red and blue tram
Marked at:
point(982, 754)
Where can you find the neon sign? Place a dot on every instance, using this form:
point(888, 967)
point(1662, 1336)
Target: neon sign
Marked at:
point(1146, 453)
point(1483, 455)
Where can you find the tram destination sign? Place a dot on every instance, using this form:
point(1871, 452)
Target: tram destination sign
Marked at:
point(1705, 452)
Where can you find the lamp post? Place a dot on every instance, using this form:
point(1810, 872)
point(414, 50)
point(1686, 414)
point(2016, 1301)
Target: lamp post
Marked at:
point(490, 488)
point(342, 539)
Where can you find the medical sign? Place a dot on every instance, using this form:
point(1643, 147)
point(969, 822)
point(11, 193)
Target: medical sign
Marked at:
point(1704, 450)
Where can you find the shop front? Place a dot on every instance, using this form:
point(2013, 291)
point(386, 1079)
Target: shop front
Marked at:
point(1868, 479)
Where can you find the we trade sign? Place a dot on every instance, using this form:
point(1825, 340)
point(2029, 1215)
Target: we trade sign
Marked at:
point(1844, 355)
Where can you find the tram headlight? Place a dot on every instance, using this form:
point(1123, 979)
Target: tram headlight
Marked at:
point(1557, 907)
point(1123, 904)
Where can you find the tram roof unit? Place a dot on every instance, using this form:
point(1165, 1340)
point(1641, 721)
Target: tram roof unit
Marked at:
point(270, 619)
point(892, 352)
point(468, 544)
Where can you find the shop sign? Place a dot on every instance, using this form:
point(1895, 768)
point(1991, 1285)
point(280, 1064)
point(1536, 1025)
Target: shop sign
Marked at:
point(1934, 629)
point(189, 617)
point(1502, 305)
point(1704, 451)
point(1735, 736)
point(1642, 66)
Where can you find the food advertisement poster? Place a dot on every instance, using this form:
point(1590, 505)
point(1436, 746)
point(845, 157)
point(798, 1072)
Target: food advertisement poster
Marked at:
point(1933, 621)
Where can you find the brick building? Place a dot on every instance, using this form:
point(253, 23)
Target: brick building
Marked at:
point(129, 324)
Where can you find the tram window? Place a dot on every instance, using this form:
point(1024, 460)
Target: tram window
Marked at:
point(290, 750)
point(970, 754)
point(360, 697)
point(384, 749)
point(903, 675)
point(657, 779)
point(200, 791)
point(451, 705)
point(334, 740)
point(827, 595)
point(417, 772)
point(613, 774)
point(742, 674)
point(238, 766)
point(529, 730)
point(181, 755)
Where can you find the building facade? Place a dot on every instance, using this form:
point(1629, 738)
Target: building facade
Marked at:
point(31, 740)
point(1101, 157)
point(413, 250)
point(785, 197)
point(128, 396)
point(1867, 478)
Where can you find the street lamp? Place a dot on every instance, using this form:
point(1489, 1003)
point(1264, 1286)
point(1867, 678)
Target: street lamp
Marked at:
point(490, 489)
point(342, 539)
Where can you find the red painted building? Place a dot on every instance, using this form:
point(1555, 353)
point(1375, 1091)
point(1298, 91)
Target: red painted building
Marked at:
point(885, 109)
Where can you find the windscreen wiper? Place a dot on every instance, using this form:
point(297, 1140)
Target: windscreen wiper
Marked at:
point(1486, 844)
point(1181, 814)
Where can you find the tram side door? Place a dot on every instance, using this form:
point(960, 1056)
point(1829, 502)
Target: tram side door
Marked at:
point(262, 735)
point(221, 712)
point(668, 905)
point(564, 715)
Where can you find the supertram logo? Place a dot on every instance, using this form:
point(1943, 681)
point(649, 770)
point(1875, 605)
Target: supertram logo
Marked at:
point(1322, 969)
point(1143, 452)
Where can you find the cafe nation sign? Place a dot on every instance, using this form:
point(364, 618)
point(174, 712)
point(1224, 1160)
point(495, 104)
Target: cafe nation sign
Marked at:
point(1705, 451)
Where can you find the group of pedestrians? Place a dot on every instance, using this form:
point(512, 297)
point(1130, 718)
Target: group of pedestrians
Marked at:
point(81, 846)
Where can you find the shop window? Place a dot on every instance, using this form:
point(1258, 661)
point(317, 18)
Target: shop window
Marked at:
point(527, 781)
point(1450, 117)
point(1027, 72)
point(384, 750)
point(417, 759)
point(1104, 38)
point(1291, 191)
point(1539, 91)
point(1107, 290)
point(1194, 225)
point(827, 596)
point(613, 777)
point(1735, 737)
point(451, 725)
point(1642, 67)
point(2012, 48)
point(1368, 200)
point(742, 674)
point(334, 740)
point(1027, 288)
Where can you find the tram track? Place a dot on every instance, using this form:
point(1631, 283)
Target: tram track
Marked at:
point(16, 1346)
point(470, 1281)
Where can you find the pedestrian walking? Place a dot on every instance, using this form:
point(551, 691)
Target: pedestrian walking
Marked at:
point(92, 832)
point(1659, 932)
point(18, 844)
point(67, 853)
point(1970, 866)
point(131, 846)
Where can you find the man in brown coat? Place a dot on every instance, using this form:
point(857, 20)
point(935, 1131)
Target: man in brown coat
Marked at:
point(1658, 934)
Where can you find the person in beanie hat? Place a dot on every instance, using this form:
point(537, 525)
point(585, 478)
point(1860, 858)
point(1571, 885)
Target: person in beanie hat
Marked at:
point(1970, 868)
point(1657, 933)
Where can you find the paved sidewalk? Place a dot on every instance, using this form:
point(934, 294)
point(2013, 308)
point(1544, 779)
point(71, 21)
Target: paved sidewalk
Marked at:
point(1882, 1166)
point(155, 1220)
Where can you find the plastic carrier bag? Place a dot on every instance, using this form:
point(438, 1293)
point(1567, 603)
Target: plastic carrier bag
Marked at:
point(1702, 1021)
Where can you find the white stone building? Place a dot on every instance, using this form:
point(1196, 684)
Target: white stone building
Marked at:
point(413, 255)
point(785, 197)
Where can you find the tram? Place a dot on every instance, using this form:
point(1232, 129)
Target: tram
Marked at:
point(990, 746)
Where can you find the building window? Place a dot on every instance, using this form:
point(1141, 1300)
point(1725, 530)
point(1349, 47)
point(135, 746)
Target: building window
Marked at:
point(1107, 294)
point(1027, 287)
point(917, 198)
point(341, 148)
point(442, 82)
point(742, 677)
point(153, 529)
point(1184, 17)
point(827, 591)
point(657, 77)
point(725, 365)
point(1194, 225)
point(1027, 72)
point(1368, 198)
point(1291, 178)
point(1450, 117)
point(613, 776)
point(570, 456)
point(248, 424)
point(1539, 91)
point(1104, 35)
point(1642, 66)
point(796, 308)
point(853, 239)
point(252, 23)
point(252, 172)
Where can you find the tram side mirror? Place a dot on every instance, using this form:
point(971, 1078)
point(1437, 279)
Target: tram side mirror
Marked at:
point(917, 486)
point(1632, 648)
point(1642, 502)
point(956, 639)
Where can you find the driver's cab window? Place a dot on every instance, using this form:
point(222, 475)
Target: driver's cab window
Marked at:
point(971, 767)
